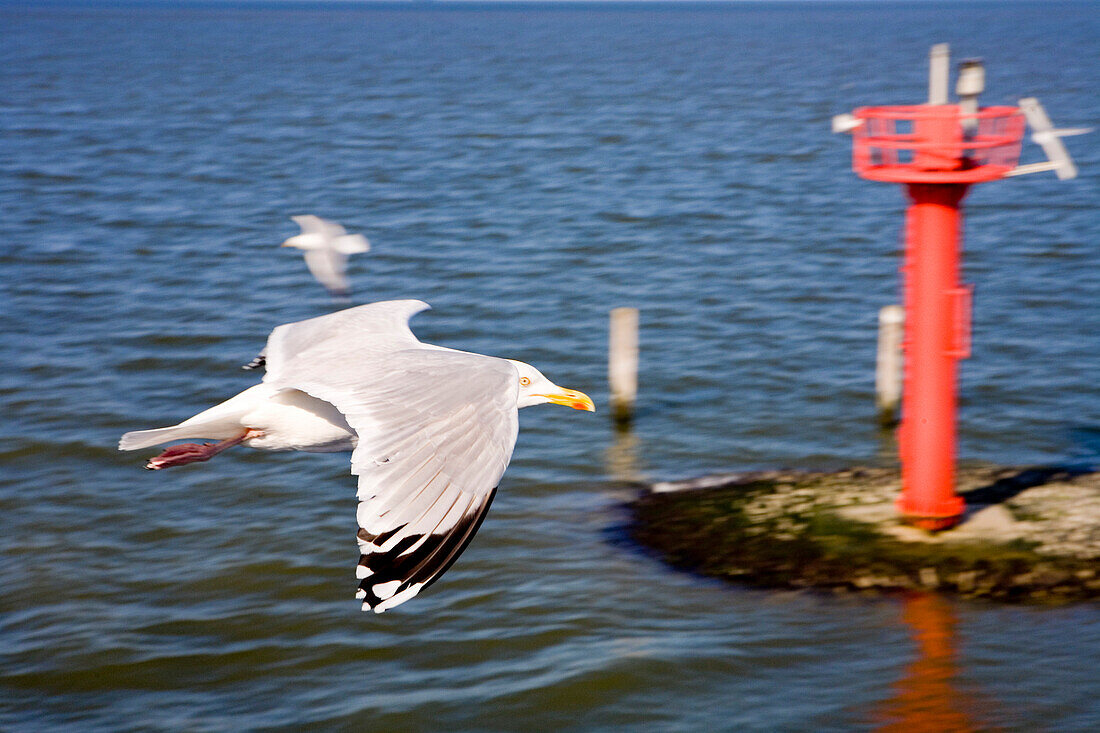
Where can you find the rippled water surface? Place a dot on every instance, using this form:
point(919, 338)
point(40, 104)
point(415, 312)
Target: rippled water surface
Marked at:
point(524, 169)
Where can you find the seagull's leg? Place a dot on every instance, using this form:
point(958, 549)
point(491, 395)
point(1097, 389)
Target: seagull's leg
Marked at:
point(183, 453)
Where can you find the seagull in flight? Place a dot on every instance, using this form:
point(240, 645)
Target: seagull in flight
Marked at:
point(327, 245)
point(430, 429)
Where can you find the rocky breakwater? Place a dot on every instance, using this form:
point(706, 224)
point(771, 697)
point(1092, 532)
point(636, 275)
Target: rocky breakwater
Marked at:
point(1029, 534)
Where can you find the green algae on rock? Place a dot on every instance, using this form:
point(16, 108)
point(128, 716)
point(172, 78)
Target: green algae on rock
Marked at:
point(1030, 534)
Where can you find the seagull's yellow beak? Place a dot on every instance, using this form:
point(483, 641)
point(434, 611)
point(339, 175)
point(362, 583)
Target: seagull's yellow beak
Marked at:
point(571, 398)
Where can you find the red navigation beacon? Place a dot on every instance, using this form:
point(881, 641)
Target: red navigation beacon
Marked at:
point(928, 149)
point(937, 151)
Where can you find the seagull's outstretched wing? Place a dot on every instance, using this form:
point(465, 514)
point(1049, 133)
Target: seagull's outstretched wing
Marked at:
point(329, 267)
point(436, 430)
point(311, 224)
point(305, 348)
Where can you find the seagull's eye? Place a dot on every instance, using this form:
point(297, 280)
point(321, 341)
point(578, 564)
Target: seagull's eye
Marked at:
point(524, 382)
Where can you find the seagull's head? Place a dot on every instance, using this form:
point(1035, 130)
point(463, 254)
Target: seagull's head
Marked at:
point(535, 389)
point(304, 241)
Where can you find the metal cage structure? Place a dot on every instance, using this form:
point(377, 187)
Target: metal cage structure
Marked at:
point(936, 143)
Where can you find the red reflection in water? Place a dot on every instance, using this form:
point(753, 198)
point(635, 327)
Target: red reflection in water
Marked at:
point(926, 700)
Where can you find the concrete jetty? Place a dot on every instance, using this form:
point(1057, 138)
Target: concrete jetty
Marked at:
point(1030, 534)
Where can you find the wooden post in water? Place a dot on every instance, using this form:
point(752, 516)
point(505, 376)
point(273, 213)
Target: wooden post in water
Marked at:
point(888, 366)
point(622, 363)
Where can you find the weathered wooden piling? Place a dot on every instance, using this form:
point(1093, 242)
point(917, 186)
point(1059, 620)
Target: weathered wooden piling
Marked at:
point(622, 363)
point(888, 365)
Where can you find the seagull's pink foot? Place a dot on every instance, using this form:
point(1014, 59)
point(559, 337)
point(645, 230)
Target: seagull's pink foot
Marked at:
point(184, 453)
point(181, 454)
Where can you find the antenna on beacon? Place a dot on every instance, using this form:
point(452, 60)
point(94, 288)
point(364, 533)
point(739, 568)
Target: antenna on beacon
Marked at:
point(970, 85)
point(1044, 134)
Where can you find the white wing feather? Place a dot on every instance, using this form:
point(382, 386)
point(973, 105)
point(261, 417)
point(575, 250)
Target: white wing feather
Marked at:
point(311, 224)
point(329, 267)
point(436, 430)
point(306, 349)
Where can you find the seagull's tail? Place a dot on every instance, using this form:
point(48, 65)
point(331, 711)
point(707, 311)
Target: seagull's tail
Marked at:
point(139, 439)
point(219, 422)
point(350, 244)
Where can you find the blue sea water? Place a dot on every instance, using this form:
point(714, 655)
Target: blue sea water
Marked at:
point(524, 169)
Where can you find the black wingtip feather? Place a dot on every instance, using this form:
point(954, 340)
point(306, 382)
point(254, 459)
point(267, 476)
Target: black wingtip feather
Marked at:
point(424, 565)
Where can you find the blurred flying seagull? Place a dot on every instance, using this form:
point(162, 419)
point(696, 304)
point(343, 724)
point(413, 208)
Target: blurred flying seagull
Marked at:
point(327, 246)
point(431, 431)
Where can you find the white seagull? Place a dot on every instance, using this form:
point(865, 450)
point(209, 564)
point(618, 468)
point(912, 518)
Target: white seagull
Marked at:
point(327, 246)
point(431, 431)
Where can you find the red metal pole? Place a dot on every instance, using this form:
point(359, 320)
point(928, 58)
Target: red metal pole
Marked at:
point(936, 335)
